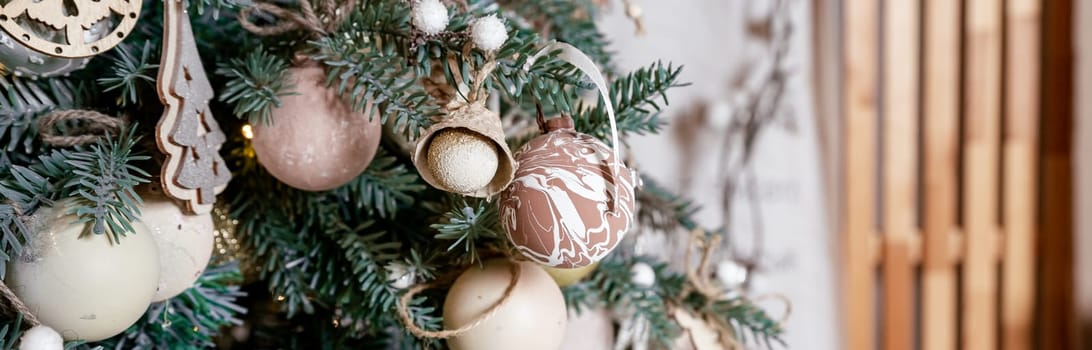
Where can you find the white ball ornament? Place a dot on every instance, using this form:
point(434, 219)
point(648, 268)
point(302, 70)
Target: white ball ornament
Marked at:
point(533, 317)
point(642, 275)
point(41, 338)
point(429, 16)
point(488, 33)
point(461, 160)
point(184, 242)
point(83, 285)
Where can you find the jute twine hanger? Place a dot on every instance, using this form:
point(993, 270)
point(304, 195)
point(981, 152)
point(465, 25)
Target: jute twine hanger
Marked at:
point(699, 280)
point(95, 125)
point(407, 319)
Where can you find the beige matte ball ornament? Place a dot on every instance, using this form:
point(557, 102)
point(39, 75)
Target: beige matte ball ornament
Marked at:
point(184, 242)
point(316, 141)
point(533, 317)
point(83, 285)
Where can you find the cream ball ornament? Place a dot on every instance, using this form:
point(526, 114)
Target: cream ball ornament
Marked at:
point(316, 142)
point(462, 160)
point(533, 317)
point(184, 242)
point(568, 277)
point(83, 285)
point(41, 338)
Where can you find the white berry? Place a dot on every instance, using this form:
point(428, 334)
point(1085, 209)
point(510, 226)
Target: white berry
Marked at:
point(488, 33)
point(430, 16)
point(731, 274)
point(400, 275)
point(41, 338)
point(642, 275)
point(463, 161)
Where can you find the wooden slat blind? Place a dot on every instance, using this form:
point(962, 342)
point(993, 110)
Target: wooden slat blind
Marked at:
point(941, 113)
point(860, 38)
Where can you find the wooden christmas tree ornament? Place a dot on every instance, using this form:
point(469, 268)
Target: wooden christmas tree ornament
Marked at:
point(74, 19)
point(187, 133)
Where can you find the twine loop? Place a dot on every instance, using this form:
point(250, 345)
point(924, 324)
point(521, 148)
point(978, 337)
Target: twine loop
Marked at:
point(407, 319)
point(13, 305)
point(96, 125)
point(699, 281)
point(325, 19)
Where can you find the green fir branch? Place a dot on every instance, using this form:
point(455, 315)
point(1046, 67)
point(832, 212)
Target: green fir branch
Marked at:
point(255, 85)
point(663, 210)
point(616, 288)
point(636, 105)
point(100, 178)
point(468, 223)
point(370, 75)
point(103, 181)
point(384, 188)
point(130, 74)
point(11, 331)
point(191, 320)
point(24, 100)
point(368, 252)
point(547, 80)
point(569, 21)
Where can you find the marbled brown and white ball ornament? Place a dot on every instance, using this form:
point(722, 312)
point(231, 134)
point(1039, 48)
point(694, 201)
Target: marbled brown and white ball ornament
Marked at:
point(184, 242)
point(561, 210)
point(316, 142)
point(22, 61)
point(533, 318)
point(83, 285)
point(465, 152)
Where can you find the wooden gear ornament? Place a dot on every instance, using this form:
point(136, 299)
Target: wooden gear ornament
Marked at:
point(72, 17)
point(187, 133)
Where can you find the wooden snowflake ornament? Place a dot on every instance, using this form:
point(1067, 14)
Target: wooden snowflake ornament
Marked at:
point(187, 133)
point(72, 17)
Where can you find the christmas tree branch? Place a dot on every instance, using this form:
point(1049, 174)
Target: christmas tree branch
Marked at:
point(384, 188)
point(255, 84)
point(191, 319)
point(130, 74)
point(635, 97)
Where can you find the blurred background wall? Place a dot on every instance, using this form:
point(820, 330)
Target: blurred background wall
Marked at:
point(777, 212)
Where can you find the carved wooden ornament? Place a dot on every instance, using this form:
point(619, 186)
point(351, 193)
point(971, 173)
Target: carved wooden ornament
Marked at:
point(72, 17)
point(187, 133)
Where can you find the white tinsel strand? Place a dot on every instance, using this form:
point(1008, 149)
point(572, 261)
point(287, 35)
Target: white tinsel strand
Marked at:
point(429, 16)
point(41, 338)
point(642, 275)
point(488, 33)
